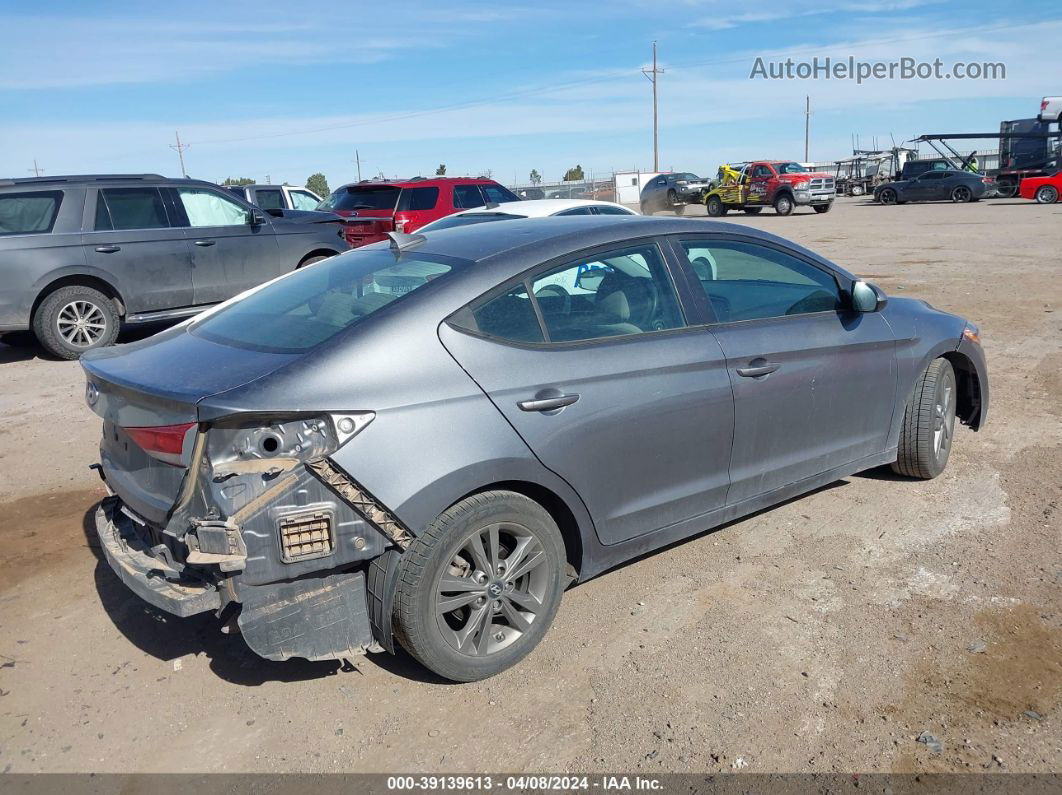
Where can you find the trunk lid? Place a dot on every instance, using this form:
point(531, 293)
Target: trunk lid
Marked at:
point(159, 382)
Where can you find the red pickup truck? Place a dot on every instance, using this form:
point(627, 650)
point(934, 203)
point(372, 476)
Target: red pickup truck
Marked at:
point(781, 184)
point(376, 207)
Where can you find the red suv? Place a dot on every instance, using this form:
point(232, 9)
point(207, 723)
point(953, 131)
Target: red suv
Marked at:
point(377, 207)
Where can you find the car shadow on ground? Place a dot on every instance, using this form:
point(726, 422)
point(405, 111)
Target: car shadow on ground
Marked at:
point(170, 638)
point(22, 346)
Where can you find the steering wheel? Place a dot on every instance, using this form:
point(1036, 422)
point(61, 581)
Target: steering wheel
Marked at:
point(556, 289)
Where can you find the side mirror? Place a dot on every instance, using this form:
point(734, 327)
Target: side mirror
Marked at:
point(255, 218)
point(867, 297)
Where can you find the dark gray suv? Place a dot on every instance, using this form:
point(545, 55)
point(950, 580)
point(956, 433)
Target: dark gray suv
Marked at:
point(82, 254)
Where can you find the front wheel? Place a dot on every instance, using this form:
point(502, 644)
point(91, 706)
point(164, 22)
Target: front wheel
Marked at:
point(928, 423)
point(479, 588)
point(823, 208)
point(783, 205)
point(961, 194)
point(1048, 194)
point(680, 209)
point(75, 319)
point(887, 196)
point(715, 207)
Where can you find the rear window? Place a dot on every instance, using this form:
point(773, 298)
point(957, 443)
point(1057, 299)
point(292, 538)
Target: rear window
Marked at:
point(29, 213)
point(498, 194)
point(468, 219)
point(314, 304)
point(130, 208)
point(363, 197)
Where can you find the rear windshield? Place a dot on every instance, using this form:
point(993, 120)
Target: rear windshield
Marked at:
point(363, 197)
point(468, 219)
point(314, 304)
point(28, 213)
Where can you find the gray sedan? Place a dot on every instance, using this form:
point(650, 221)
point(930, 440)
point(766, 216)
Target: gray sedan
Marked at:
point(428, 441)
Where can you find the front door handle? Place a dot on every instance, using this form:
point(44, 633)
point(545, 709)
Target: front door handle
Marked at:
point(547, 404)
point(758, 368)
point(108, 249)
point(205, 243)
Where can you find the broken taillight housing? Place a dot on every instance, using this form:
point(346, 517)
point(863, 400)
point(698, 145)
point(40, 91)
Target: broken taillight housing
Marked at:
point(162, 442)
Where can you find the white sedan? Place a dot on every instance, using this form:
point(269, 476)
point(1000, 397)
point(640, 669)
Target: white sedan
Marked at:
point(532, 208)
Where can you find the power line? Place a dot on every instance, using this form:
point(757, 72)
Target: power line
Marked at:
point(653, 75)
point(180, 152)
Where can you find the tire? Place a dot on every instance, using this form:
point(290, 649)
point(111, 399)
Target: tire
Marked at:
point(961, 194)
point(449, 643)
point(887, 196)
point(822, 208)
point(1047, 194)
point(310, 261)
point(928, 423)
point(752, 210)
point(783, 204)
point(75, 319)
point(672, 198)
point(858, 190)
point(680, 209)
point(644, 209)
point(715, 207)
point(1006, 189)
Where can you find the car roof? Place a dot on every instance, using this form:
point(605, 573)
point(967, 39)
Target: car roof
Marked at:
point(103, 179)
point(540, 208)
point(542, 240)
point(419, 182)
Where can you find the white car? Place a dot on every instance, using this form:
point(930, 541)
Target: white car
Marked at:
point(1051, 109)
point(532, 208)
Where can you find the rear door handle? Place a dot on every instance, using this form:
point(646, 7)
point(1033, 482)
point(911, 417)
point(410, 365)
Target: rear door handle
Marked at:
point(547, 404)
point(108, 249)
point(759, 368)
point(205, 243)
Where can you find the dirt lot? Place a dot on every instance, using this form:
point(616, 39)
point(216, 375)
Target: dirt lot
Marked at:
point(824, 635)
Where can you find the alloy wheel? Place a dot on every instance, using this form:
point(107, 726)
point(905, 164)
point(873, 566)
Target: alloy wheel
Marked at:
point(943, 421)
point(494, 588)
point(1047, 195)
point(81, 323)
point(961, 194)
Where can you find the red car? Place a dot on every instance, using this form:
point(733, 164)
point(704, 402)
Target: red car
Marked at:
point(1044, 190)
point(376, 207)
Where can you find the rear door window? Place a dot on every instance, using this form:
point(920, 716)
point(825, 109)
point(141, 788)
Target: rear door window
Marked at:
point(605, 209)
point(509, 317)
point(304, 200)
point(130, 208)
point(29, 213)
point(467, 196)
point(418, 199)
point(269, 199)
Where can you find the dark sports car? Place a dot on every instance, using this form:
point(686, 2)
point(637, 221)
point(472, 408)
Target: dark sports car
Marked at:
point(938, 185)
point(428, 440)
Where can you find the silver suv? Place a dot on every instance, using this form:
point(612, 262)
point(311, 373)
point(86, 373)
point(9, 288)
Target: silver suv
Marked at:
point(82, 254)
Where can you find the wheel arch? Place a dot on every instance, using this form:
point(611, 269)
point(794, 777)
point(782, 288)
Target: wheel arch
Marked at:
point(970, 401)
point(78, 279)
point(317, 252)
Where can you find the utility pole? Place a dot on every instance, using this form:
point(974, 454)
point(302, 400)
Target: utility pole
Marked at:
point(180, 152)
point(357, 159)
point(652, 74)
point(37, 170)
point(807, 125)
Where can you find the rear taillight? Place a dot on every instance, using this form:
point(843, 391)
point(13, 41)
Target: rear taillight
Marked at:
point(163, 442)
point(1043, 105)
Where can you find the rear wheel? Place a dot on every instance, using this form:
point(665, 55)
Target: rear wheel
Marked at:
point(715, 207)
point(1006, 189)
point(1048, 194)
point(928, 423)
point(310, 261)
point(783, 204)
point(75, 319)
point(479, 589)
point(823, 208)
point(961, 194)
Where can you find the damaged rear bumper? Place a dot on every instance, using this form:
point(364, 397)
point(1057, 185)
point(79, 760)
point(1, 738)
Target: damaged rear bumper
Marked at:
point(152, 578)
point(322, 617)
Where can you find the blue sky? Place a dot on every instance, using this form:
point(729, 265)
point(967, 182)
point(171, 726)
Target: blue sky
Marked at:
point(286, 89)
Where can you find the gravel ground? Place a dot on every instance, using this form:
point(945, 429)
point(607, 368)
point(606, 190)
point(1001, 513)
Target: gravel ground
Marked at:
point(827, 634)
